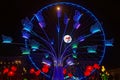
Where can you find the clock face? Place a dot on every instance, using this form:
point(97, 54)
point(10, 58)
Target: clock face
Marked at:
point(67, 39)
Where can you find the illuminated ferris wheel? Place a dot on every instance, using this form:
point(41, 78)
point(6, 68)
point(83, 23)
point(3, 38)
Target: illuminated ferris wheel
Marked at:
point(64, 41)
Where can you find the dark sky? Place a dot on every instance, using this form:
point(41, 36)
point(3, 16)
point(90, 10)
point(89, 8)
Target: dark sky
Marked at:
point(108, 12)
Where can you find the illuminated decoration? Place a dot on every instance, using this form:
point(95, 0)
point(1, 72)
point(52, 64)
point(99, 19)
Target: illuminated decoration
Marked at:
point(6, 70)
point(67, 39)
point(77, 16)
point(52, 42)
point(70, 62)
point(1, 62)
point(81, 38)
point(70, 75)
point(76, 19)
point(27, 25)
point(45, 68)
point(25, 79)
point(76, 25)
point(109, 42)
point(64, 71)
point(95, 28)
point(74, 46)
point(47, 62)
point(96, 66)
point(25, 34)
point(61, 23)
point(6, 39)
point(58, 8)
point(24, 69)
point(17, 61)
point(32, 70)
point(14, 68)
point(58, 11)
point(58, 28)
point(87, 73)
point(107, 73)
point(104, 76)
point(74, 56)
point(11, 73)
point(103, 69)
point(25, 51)
point(37, 73)
point(66, 77)
point(66, 19)
point(89, 68)
point(40, 19)
point(46, 55)
point(34, 45)
point(91, 49)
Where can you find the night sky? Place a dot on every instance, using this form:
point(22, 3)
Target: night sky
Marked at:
point(107, 11)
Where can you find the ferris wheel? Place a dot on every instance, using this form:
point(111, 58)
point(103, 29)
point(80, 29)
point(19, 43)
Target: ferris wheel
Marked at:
point(64, 39)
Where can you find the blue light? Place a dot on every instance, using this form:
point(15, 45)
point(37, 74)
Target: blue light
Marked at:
point(70, 62)
point(81, 38)
point(25, 51)
point(40, 19)
point(58, 12)
point(109, 42)
point(58, 29)
point(34, 45)
point(74, 50)
point(66, 77)
point(95, 28)
point(25, 34)
point(27, 25)
point(46, 55)
point(66, 19)
point(6, 39)
point(77, 16)
point(76, 25)
point(91, 49)
point(58, 73)
point(52, 42)
point(74, 55)
point(47, 62)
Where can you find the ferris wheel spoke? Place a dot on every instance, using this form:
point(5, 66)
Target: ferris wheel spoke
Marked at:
point(66, 21)
point(47, 52)
point(41, 23)
point(46, 42)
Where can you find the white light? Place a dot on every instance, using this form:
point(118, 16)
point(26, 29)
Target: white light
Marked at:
point(67, 39)
point(58, 8)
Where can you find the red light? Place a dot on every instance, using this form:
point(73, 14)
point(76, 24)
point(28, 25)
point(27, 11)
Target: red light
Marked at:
point(45, 70)
point(64, 71)
point(96, 66)
point(11, 73)
point(89, 68)
point(46, 66)
point(37, 73)
point(87, 73)
point(14, 68)
point(70, 75)
point(32, 70)
point(6, 70)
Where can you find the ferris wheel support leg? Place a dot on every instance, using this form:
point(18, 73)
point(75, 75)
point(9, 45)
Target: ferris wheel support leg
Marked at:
point(58, 72)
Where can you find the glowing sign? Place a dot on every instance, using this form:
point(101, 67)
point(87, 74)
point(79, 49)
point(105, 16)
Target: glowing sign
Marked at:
point(67, 39)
